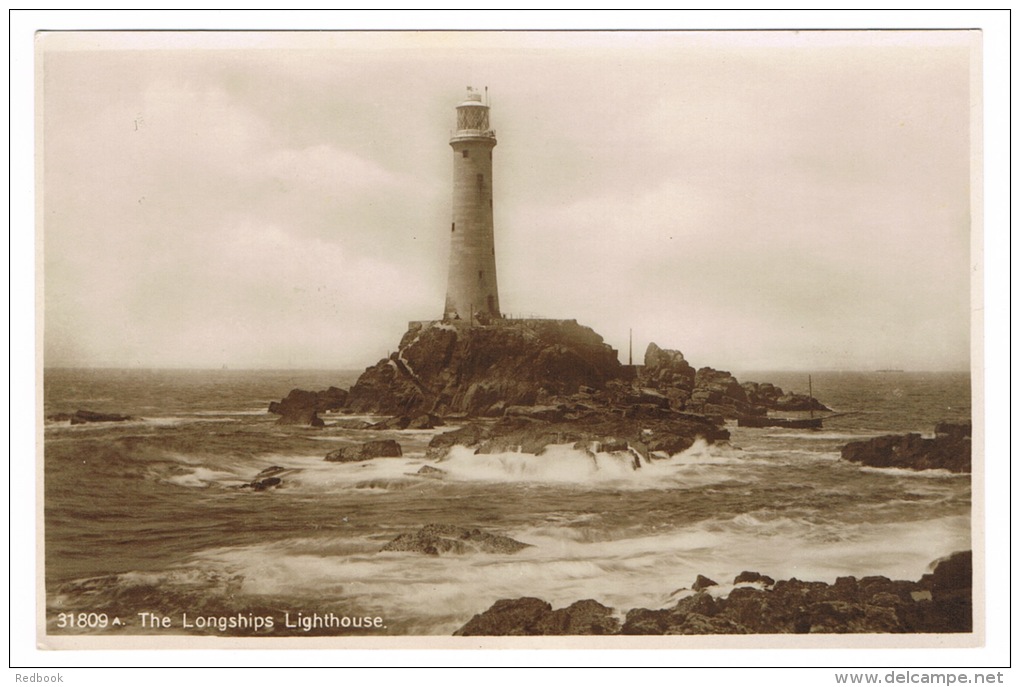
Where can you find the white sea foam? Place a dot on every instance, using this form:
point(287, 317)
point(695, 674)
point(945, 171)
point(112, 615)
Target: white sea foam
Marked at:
point(563, 464)
point(827, 436)
point(202, 478)
point(643, 570)
point(175, 420)
point(700, 466)
point(319, 475)
point(906, 472)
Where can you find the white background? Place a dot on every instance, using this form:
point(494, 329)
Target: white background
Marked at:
point(22, 380)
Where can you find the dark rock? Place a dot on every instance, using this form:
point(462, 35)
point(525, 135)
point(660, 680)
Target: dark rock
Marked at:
point(950, 450)
point(701, 603)
point(587, 617)
point(665, 369)
point(300, 407)
point(425, 421)
point(748, 576)
point(952, 612)
point(753, 608)
point(718, 393)
point(270, 471)
point(703, 582)
point(397, 422)
point(721, 383)
point(507, 617)
point(613, 444)
point(694, 615)
point(331, 400)
point(791, 402)
point(953, 430)
point(642, 621)
point(544, 370)
point(599, 430)
point(877, 618)
point(952, 573)
point(82, 417)
point(604, 445)
point(262, 485)
point(527, 438)
point(429, 471)
point(267, 478)
point(436, 539)
point(264, 480)
point(648, 396)
point(383, 448)
point(849, 589)
point(678, 397)
point(443, 368)
point(468, 435)
point(765, 396)
point(697, 624)
point(939, 603)
point(351, 424)
point(837, 615)
point(832, 616)
point(542, 413)
point(887, 600)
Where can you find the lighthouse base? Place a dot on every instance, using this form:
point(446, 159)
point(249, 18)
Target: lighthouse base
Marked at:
point(444, 366)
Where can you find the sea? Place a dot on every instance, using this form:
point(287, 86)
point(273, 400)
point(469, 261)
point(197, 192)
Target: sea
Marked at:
point(149, 531)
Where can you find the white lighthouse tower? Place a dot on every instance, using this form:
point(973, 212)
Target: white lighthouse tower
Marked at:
point(471, 294)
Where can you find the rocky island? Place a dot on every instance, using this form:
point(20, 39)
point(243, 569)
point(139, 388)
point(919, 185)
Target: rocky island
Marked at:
point(544, 382)
point(948, 450)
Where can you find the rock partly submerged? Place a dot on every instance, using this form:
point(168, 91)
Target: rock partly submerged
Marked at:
point(950, 450)
point(382, 448)
point(940, 602)
point(645, 432)
point(302, 407)
point(81, 417)
point(270, 478)
point(402, 422)
point(436, 539)
point(430, 472)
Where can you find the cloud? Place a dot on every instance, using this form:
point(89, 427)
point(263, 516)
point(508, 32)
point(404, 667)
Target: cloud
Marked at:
point(794, 204)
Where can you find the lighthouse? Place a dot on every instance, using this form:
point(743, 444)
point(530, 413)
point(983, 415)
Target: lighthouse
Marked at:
point(471, 294)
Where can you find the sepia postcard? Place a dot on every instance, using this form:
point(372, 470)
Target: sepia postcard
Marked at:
point(509, 339)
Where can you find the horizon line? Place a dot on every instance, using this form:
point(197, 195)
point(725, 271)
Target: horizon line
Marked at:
point(186, 368)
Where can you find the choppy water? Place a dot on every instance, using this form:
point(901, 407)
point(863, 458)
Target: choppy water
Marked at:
point(146, 516)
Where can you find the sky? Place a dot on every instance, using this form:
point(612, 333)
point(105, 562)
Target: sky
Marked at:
point(757, 200)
